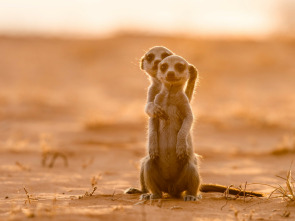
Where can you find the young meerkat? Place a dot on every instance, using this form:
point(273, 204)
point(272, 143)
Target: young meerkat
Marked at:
point(175, 170)
point(149, 63)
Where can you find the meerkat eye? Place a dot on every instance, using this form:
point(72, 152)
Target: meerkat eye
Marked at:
point(164, 55)
point(179, 67)
point(150, 57)
point(164, 67)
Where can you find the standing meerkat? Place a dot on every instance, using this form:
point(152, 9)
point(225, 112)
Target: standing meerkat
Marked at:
point(149, 64)
point(175, 170)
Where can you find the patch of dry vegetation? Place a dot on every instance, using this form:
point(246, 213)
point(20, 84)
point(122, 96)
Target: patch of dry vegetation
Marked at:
point(48, 152)
point(288, 192)
point(94, 181)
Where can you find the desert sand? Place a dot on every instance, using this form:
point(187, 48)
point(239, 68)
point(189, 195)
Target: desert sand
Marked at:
point(83, 100)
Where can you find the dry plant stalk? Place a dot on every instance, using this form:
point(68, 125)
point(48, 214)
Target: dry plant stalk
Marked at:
point(288, 192)
point(241, 192)
point(28, 197)
point(88, 163)
point(88, 194)
point(95, 179)
point(25, 168)
point(48, 152)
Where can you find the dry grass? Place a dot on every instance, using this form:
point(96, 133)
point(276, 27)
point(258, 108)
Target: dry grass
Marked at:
point(88, 163)
point(22, 167)
point(86, 194)
point(49, 152)
point(30, 198)
point(287, 192)
point(95, 179)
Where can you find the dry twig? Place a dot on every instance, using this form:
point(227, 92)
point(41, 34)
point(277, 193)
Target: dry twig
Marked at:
point(25, 168)
point(28, 197)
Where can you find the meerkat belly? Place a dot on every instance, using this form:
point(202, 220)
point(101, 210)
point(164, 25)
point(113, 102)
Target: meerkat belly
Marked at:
point(168, 131)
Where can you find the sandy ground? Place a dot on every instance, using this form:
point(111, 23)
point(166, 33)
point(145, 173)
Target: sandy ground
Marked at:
point(84, 99)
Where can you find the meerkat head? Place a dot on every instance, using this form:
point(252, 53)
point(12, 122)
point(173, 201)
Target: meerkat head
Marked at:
point(149, 62)
point(174, 70)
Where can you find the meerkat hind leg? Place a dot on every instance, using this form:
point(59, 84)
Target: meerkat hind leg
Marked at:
point(152, 179)
point(189, 182)
point(142, 180)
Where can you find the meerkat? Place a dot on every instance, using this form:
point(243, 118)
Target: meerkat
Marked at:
point(149, 64)
point(176, 169)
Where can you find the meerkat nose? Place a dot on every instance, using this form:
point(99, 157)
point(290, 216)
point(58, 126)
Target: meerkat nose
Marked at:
point(171, 74)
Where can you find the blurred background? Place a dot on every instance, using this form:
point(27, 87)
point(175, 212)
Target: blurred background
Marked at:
point(69, 66)
point(72, 100)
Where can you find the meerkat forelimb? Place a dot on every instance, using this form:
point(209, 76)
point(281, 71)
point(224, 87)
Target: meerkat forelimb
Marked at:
point(149, 63)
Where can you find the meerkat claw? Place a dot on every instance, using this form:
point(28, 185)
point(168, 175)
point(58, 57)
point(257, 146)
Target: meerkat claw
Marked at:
point(190, 198)
point(145, 196)
point(148, 196)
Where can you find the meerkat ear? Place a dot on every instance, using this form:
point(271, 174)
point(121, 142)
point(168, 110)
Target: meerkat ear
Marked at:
point(141, 63)
point(192, 71)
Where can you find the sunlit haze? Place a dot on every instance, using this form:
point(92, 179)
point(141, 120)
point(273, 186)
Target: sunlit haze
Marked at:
point(101, 17)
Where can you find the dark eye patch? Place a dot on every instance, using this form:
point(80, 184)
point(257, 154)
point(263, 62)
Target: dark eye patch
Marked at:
point(164, 55)
point(150, 57)
point(179, 67)
point(164, 67)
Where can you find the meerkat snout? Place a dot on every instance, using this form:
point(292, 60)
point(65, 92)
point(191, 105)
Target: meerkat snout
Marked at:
point(173, 70)
point(170, 74)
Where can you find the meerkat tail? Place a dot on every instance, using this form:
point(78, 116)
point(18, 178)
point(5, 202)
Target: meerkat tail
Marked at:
point(231, 190)
point(206, 188)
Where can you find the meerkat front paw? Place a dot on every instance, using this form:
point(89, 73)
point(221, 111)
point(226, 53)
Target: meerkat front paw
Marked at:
point(159, 112)
point(148, 196)
point(154, 153)
point(181, 149)
point(190, 198)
